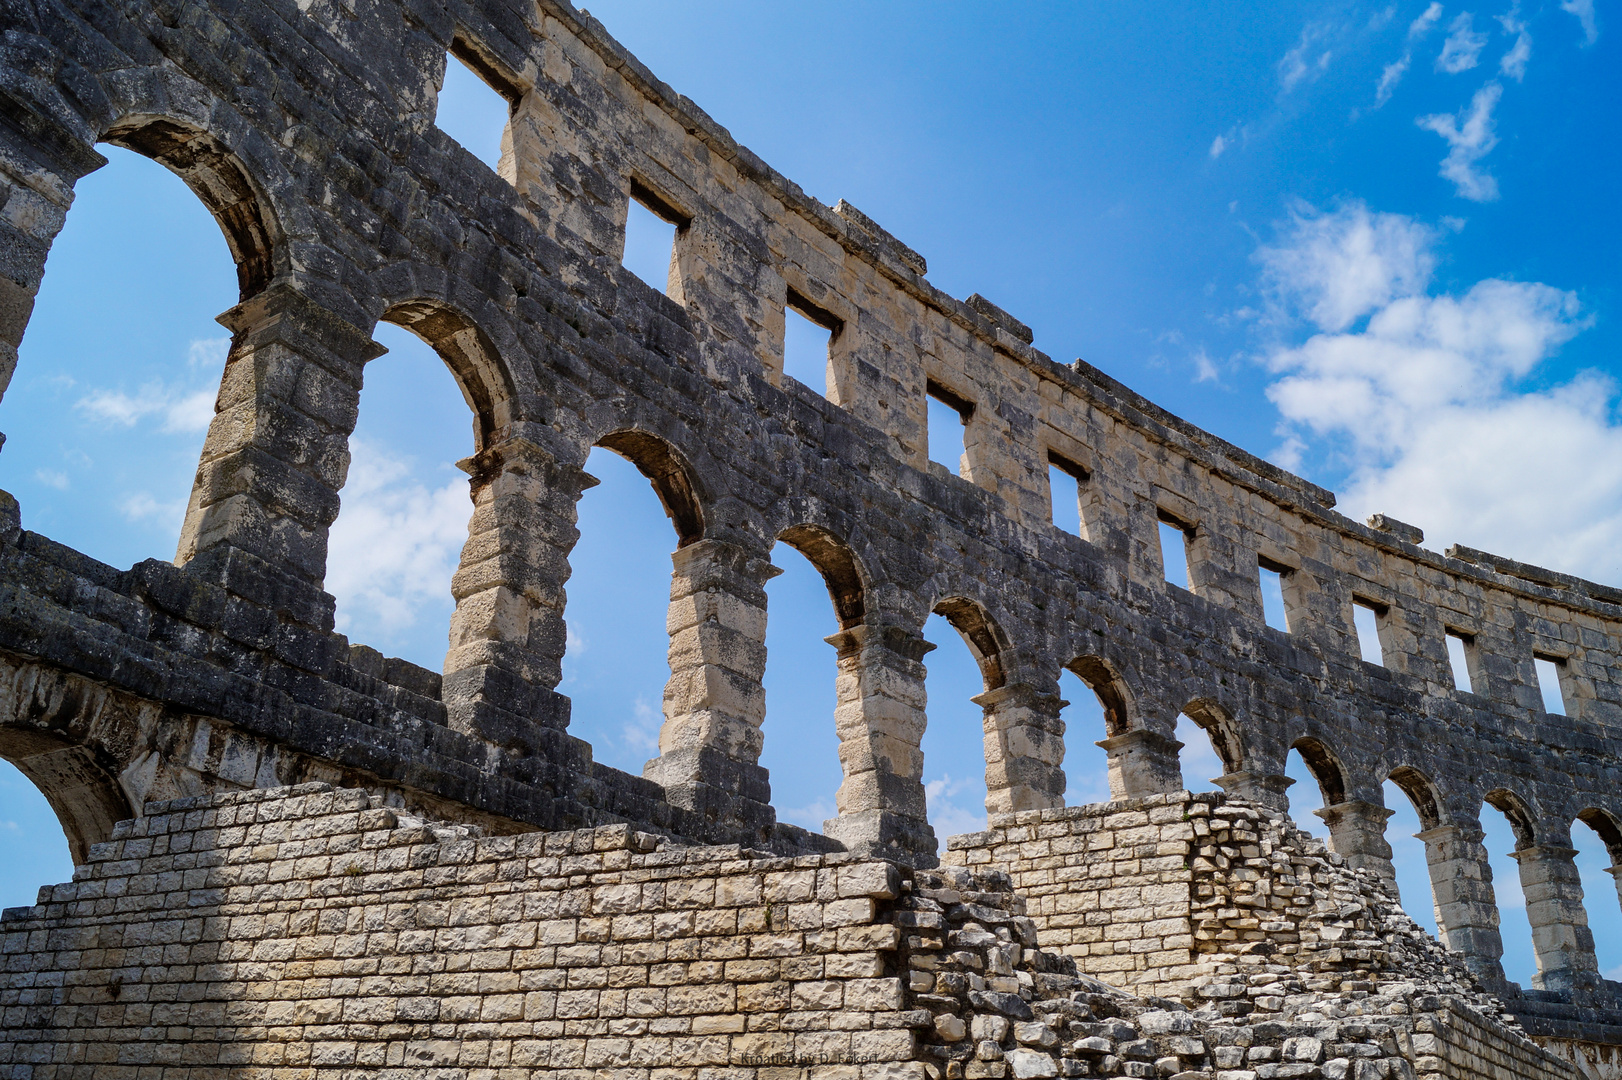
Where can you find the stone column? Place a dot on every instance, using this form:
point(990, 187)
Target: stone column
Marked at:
point(507, 634)
point(1024, 746)
point(709, 746)
point(880, 720)
point(1142, 762)
point(277, 453)
point(1262, 789)
point(1466, 911)
point(1357, 833)
point(1560, 934)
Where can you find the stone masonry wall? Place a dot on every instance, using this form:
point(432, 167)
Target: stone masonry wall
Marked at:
point(298, 932)
point(305, 932)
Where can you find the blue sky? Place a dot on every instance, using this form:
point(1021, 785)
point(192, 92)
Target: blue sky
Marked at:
point(1372, 242)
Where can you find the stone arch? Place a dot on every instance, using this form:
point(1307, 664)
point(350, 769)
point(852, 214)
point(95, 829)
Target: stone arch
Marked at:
point(1422, 793)
point(672, 477)
point(837, 564)
point(82, 791)
point(1103, 679)
point(1608, 827)
point(1325, 766)
point(1522, 821)
point(1219, 724)
point(222, 181)
point(485, 379)
point(986, 640)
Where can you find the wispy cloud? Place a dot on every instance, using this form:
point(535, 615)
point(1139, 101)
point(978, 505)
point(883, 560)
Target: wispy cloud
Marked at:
point(52, 478)
point(1513, 63)
point(1307, 60)
point(1390, 76)
point(947, 810)
point(181, 410)
point(1218, 145)
point(1470, 138)
point(1425, 403)
point(1584, 11)
point(1393, 72)
point(1427, 19)
point(1463, 45)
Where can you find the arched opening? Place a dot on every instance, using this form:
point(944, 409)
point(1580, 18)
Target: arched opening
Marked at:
point(32, 842)
point(84, 800)
point(120, 366)
point(1201, 758)
point(1320, 782)
point(1597, 836)
point(1086, 722)
point(1416, 809)
point(1506, 825)
point(818, 593)
point(404, 512)
point(617, 659)
point(968, 662)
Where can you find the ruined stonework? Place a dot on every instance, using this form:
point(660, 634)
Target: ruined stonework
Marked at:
point(307, 129)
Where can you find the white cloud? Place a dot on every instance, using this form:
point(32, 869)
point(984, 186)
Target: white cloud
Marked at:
point(182, 412)
point(1205, 369)
point(1463, 46)
point(809, 817)
point(1339, 267)
point(1304, 62)
point(1389, 78)
point(1427, 19)
point(642, 732)
point(1513, 63)
point(207, 354)
point(1218, 145)
point(141, 506)
point(947, 814)
point(1426, 407)
point(395, 544)
point(1584, 10)
point(52, 478)
point(1469, 138)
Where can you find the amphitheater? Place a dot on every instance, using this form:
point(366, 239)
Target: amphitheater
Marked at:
point(299, 858)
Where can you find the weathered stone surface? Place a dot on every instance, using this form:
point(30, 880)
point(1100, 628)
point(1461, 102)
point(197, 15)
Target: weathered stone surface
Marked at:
point(307, 129)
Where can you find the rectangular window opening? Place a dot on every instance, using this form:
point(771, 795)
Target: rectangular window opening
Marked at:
point(473, 107)
point(1174, 536)
point(1065, 480)
point(808, 341)
point(1458, 655)
point(651, 226)
point(949, 414)
point(1549, 670)
point(1274, 612)
point(1366, 617)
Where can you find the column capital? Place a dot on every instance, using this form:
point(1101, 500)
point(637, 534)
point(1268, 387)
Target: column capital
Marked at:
point(908, 644)
point(1540, 852)
point(1451, 832)
point(1354, 808)
point(1045, 701)
point(1141, 738)
point(282, 304)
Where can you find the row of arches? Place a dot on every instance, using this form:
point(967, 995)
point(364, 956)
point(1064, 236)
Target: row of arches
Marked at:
point(510, 611)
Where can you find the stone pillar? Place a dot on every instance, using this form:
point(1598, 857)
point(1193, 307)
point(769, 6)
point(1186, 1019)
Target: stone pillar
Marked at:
point(1024, 746)
point(1262, 789)
point(1142, 762)
point(277, 454)
point(1560, 934)
point(880, 720)
point(1357, 834)
point(507, 634)
point(709, 746)
point(1461, 884)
